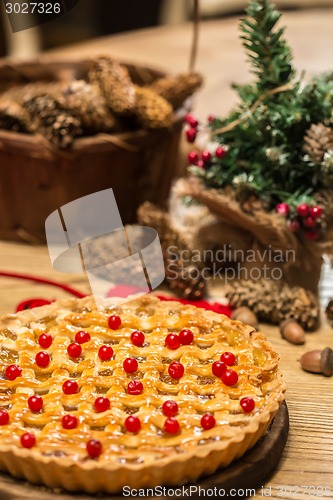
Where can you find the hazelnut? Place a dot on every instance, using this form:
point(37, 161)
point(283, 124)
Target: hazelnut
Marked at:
point(318, 362)
point(245, 315)
point(292, 331)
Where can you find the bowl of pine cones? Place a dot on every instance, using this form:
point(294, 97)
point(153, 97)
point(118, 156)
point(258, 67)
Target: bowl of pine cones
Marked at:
point(69, 129)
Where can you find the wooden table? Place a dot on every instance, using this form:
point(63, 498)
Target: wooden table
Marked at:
point(308, 457)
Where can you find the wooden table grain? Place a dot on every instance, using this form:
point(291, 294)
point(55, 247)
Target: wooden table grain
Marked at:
point(308, 457)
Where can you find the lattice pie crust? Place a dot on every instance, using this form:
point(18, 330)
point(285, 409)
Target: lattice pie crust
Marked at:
point(151, 456)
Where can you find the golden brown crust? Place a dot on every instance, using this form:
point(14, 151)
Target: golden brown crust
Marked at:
point(146, 458)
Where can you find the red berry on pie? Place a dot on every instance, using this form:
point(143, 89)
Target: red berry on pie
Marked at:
point(12, 372)
point(114, 322)
point(105, 352)
point(35, 403)
point(94, 448)
point(102, 404)
point(228, 358)
point(218, 367)
point(70, 387)
point(207, 421)
point(74, 350)
point(186, 337)
point(172, 341)
point(4, 417)
point(132, 424)
point(176, 370)
point(135, 387)
point(42, 359)
point(171, 426)
point(137, 338)
point(45, 340)
point(170, 408)
point(82, 337)
point(28, 440)
point(130, 365)
point(229, 377)
point(69, 422)
point(247, 404)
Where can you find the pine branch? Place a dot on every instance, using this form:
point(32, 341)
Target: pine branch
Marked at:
point(268, 52)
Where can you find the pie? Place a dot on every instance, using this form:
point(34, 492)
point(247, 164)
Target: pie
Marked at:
point(141, 394)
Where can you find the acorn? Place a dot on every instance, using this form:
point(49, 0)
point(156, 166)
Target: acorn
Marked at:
point(318, 362)
point(292, 332)
point(245, 315)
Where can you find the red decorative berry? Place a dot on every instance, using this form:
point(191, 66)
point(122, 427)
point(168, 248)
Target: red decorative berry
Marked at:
point(191, 120)
point(137, 338)
point(316, 212)
point(247, 404)
point(193, 158)
point(211, 118)
point(74, 350)
point(42, 359)
point(186, 337)
point(171, 426)
point(220, 152)
point(69, 422)
point(105, 352)
point(207, 421)
point(35, 403)
point(201, 164)
point(28, 440)
point(312, 235)
point(228, 358)
point(132, 424)
point(135, 387)
point(310, 222)
point(303, 209)
point(176, 370)
point(229, 377)
point(12, 372)
point(218, 367)
point(170, 408)
point(45, 340)
point(114, 322)
point(102, 404)
point(130, 365)
point(293, 226)
point(191, 135)
point(94, 448)
point(283, 209)
point(4, 417)
point(206, 156)
point(82, 337)
point(70, 387)
point(172, 341)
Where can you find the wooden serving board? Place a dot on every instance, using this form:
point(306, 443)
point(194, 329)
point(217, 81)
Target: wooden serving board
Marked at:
point(248, 472)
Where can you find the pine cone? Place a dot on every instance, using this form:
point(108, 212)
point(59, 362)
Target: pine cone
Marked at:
point(85, 103)
point(152, 110)
point(326, 170)
point(183, 277)
point(51, 120)
point(318, 140)
point(176, 89)
point(114, 83)
point(329, 311)
point(13, 117)
point(275, 301)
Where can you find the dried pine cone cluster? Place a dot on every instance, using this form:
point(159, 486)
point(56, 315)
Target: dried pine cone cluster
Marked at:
point(107, 102)
point(275, 301)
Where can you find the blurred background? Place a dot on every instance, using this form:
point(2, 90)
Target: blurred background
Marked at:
point(93, 18)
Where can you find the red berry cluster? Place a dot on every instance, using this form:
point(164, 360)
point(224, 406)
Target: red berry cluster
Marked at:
point(303, 217)
point(205, 159)
point(192, 130)
point(173, 341)
point(219, 369)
